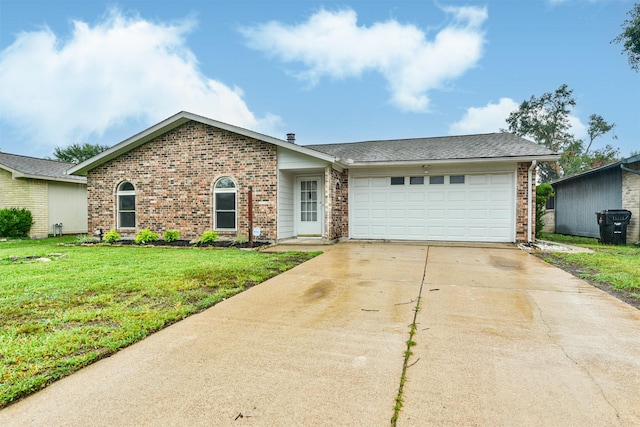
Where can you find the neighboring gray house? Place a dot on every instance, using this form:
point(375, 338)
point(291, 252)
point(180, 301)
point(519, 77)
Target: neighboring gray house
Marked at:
point(613, 186)
point(43, 187)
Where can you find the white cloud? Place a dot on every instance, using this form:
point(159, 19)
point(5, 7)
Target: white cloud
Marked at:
point(59, 91)
point(488, 119)
point(333, 44)
point(492, 117)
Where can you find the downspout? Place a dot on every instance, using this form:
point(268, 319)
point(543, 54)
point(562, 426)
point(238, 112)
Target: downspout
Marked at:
point(529, 203)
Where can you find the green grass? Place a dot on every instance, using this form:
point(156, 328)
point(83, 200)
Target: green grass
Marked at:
point(90, 301)
point(617, 267)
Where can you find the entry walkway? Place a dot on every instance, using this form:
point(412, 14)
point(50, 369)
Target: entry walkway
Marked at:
point(502, 339)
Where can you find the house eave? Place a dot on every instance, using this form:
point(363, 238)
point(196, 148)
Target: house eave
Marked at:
point(174, 122)
point(516, 159)
point(16, 174)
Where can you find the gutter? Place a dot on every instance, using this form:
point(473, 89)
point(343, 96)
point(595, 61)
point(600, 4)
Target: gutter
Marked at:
point(624, 168)
point(349, 163)
point(529, 203)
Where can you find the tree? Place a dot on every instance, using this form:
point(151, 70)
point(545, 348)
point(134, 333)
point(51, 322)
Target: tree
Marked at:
point(630, 37)
point(76, 153)
point(576, 158)
point(546, 121)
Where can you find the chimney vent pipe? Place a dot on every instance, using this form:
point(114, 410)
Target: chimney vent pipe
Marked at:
point(291, 137)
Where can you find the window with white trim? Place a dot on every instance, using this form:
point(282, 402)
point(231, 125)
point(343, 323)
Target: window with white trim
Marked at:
point(225, 207)
point(126, 205)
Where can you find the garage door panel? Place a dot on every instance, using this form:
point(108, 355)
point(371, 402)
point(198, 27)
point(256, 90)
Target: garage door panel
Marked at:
point(415, 213)
point(480, 209)
point(436, 196)
point(477, 179)
point(397, 197)
point(378, 214)
point(379, 197)
point(397, 213)
point(457, 196)
point(477, 196)
point(454, 214)
point(435, 214)
point(478, 214)
point(416, 197)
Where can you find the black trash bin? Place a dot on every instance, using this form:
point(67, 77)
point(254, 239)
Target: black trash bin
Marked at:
point(613, 226)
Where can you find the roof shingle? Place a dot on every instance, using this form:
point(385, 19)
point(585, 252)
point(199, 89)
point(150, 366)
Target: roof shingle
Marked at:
point(482, 146)
point(40, 168)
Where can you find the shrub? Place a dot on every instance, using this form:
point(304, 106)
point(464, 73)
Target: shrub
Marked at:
point(145, 236)
point(15, 222)
point(208, 237)
point(171, 235)
point(241, 238)
point(111, 236)
point(85, 239)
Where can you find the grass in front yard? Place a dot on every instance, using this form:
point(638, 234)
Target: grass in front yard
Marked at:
point(616, 267)
point(90, 301)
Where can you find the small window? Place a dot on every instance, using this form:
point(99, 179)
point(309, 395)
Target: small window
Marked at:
point(436, 180)
point(126, 205)
point(225, 204)
point(416, 180)
point(551, 203)
point(456, 179)
point(397, 180)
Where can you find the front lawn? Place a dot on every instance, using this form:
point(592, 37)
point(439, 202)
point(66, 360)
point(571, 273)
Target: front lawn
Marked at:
point(78, 304)
point(615, 269)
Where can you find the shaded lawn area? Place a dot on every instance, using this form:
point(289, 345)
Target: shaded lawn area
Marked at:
point(615, 269)
point(88, 302)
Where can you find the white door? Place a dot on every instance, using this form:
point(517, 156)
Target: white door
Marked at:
point(461, 207)
point(309, 206)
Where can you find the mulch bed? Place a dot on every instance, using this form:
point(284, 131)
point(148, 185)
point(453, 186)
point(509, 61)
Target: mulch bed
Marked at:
point(187, 243)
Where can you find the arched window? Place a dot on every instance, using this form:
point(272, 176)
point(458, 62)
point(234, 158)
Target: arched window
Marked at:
point(126, 205)
point(225, 204)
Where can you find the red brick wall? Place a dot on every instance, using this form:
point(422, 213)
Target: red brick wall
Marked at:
point(174, 175)
point(522, 207)
point(338, 204)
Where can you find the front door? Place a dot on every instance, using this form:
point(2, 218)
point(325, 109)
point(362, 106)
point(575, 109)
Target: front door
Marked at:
point(309, 206)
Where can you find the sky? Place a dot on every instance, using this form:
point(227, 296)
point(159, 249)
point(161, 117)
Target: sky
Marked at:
point(78, 71)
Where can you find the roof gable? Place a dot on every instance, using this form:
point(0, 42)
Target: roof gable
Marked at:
point(31, 167)
point(174, 122)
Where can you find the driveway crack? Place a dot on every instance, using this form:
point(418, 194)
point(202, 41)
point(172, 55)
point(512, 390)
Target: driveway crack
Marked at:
point(574, 361)
point(410, 343)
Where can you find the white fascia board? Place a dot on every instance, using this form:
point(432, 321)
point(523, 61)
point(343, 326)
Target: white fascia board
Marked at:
point(546, 158)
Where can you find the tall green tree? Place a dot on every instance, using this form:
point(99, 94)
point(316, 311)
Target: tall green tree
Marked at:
point(76, 153)
point(545, 119)
point(630, 37)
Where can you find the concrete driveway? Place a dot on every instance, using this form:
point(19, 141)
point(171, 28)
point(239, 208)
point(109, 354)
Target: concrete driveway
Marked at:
point(502, 339)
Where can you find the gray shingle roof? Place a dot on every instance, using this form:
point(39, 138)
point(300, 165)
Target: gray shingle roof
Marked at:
point(484, 146)
point(38, 168)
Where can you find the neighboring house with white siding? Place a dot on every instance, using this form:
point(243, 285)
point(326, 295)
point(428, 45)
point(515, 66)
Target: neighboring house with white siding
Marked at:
point(44, 188)
point(193, 173)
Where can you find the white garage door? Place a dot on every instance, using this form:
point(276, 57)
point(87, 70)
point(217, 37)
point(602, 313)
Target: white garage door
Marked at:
point(467, 208)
